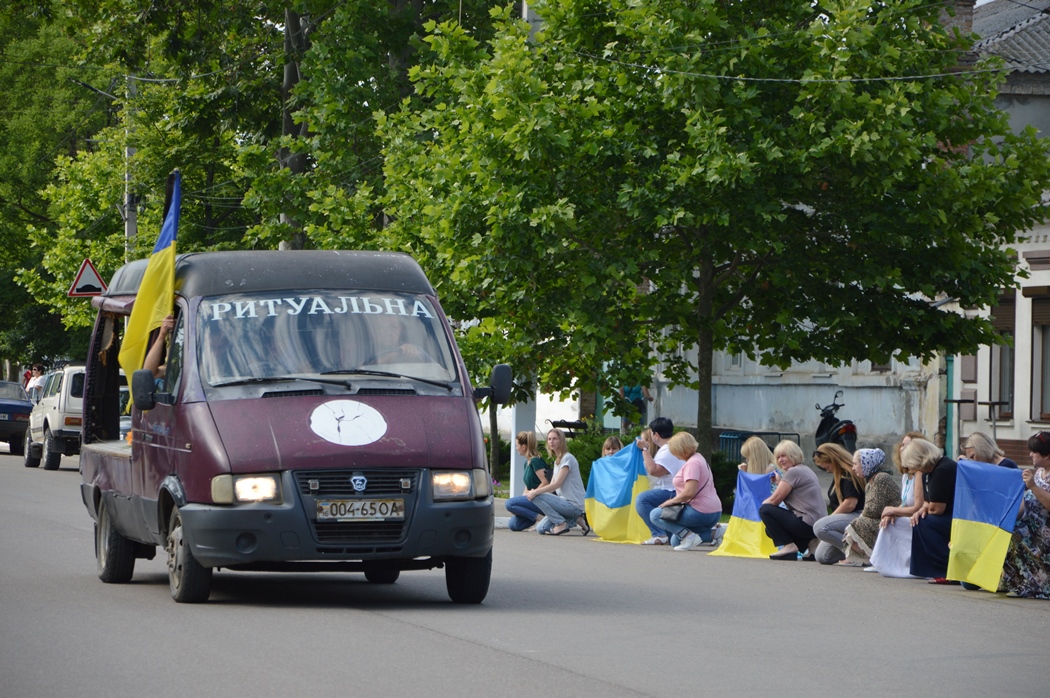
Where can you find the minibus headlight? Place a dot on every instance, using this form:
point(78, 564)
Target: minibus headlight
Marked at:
point(227, 489)
point(256, 488)
point(452, 484)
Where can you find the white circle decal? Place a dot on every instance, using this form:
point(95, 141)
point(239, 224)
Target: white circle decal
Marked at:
point(347, 423)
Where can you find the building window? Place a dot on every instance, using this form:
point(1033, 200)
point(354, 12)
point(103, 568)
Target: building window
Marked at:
point(1001, 374)
point(1041, 358)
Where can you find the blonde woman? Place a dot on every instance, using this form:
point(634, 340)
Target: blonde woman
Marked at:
point(799, 490)
point(846, 497)
point(932, 523)
point(981, 447)
point(694, 487)
point(524, 513)
point(561, 500)
point(891, 556)
point(611, 446)
point(758, 459)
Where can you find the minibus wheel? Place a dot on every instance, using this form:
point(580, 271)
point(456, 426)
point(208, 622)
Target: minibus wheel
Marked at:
point(114, 554)
point(467, 578)
point(190, 581)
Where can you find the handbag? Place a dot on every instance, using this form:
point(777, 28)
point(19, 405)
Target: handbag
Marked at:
point(672, 512)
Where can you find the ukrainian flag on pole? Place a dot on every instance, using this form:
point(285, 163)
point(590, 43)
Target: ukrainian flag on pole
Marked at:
point(156, 296)
point(987, 499)
point(746, 534)
point(614, 483)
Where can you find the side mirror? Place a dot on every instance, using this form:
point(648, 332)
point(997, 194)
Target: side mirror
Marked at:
point(143, 390)
point(501, 382)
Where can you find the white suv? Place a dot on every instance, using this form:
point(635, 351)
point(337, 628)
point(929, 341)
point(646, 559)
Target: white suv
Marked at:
point(54, 424)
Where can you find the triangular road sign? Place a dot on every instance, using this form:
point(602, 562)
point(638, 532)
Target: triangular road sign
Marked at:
point(88, 281)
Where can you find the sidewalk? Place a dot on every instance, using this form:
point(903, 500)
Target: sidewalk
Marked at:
point(500, 512)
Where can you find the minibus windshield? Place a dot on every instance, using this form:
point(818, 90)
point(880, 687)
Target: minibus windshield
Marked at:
point(313, 333)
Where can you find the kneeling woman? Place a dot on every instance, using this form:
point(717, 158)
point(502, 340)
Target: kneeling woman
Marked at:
point(694, 487)
point(561, 500)
point(1026, 571)
point(932, 524)
point(799, 490)
point(525, 514)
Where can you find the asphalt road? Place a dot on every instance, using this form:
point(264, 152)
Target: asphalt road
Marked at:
point(566, 616)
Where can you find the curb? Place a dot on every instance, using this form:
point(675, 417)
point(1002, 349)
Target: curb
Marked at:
point(502, 521)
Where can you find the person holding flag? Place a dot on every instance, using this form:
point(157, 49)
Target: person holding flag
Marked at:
point(156, 294)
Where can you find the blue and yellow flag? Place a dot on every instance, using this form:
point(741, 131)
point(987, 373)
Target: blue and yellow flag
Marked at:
point(746, 534)
point(156, 295)
point(614, 483)
point(987, 498)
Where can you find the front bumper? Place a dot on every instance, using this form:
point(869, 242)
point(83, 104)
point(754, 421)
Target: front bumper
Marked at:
point(262, 536)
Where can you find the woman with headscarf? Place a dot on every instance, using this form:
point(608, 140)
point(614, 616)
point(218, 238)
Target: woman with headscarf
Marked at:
point(881, 490)
point(846, 495)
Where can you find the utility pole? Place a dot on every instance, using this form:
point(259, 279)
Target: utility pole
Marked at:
point(131, 227)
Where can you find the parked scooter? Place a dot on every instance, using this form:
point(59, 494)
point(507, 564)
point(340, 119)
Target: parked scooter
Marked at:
point(834, 430)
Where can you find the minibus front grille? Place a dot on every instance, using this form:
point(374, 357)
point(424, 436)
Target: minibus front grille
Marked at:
point(359, 532)
point(340, 483)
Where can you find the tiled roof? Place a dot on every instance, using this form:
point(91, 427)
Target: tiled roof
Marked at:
point(1017, 31)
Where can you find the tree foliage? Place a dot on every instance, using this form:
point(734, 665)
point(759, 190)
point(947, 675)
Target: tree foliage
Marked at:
point(785, 179)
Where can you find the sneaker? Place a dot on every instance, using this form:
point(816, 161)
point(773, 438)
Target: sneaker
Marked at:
point(656, 540)
point(717, 534)
point(689, 541)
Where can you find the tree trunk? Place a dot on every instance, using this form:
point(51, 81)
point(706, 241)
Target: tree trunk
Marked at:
point(295, 45)
point(704, 359)
point(493, 438)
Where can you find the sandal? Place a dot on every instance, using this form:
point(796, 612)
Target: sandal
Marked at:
point(555, 532)
point(581, 520)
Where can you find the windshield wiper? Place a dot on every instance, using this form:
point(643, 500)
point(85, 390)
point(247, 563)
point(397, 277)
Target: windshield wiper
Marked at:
point(387, 374)
point(279, 379)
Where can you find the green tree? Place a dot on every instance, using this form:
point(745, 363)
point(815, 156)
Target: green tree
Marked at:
point(784, 179)
point(46, 113)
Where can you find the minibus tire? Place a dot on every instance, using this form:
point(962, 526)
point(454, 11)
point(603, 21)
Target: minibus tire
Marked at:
point(382, 575)
point(190, 582)
point(29, 460)
point(467, 578)
point(50, 457)
point(114, 554)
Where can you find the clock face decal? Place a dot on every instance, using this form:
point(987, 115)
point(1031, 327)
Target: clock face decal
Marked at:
point(348, 423)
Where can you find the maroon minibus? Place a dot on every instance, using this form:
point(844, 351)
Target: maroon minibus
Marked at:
point(313, 414)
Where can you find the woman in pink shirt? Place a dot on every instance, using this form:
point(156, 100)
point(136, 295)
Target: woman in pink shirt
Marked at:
point(694, 487)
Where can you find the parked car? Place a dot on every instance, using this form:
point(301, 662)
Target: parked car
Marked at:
point(54, 424)
point(15, 407)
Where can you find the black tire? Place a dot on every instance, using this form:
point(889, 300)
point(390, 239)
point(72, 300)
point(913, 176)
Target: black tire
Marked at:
point(467, 578)
point(114, 554)
point(50, 457)
point(190, 581)
point(382, 575)
point(27, 451)
point(16, 444)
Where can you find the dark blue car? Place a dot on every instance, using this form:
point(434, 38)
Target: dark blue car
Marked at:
point(15, 407)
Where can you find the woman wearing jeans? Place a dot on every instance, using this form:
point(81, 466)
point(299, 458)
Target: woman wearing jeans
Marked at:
point(561, 500)
point(694, 487)
point(846, 495)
